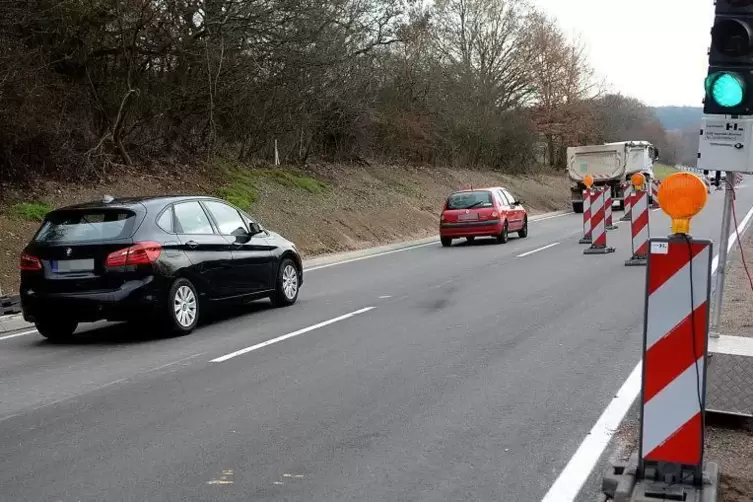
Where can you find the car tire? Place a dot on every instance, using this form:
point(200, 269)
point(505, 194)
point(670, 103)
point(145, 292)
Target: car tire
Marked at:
point(287, 284)
point(503, 235)
point(182, 307)
point(523, 232)
point(470, 239)
point(57, 330)
point(446, 242)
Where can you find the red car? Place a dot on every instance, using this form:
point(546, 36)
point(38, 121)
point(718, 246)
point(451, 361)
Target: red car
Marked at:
point(482, 212)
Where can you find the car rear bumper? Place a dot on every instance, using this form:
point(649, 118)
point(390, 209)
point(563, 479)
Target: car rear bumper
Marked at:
point(469, 229)
point(135, 298)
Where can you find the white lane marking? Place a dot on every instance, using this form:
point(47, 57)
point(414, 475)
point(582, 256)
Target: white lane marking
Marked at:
point(384, 297)
point(351, 260)
point(570, 481)
point(18, 334)
point(410, 248)
point(537, 250)
point(289, 335)
point(575, 474)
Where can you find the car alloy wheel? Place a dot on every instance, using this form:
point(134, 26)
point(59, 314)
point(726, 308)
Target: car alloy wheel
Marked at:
point(288, 284)
point(184, 306)
point(289, 281)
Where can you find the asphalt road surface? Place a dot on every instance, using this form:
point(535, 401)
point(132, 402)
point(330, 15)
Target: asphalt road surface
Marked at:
point(469, 373)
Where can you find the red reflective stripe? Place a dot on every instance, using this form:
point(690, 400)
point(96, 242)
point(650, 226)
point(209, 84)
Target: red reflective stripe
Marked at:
point(673, 354)
point(664, 266)
point(682, 447)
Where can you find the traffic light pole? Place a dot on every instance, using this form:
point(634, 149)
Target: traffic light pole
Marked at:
point(716, 307)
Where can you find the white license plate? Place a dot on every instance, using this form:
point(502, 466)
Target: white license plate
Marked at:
point(467, 217)
point(86, 265)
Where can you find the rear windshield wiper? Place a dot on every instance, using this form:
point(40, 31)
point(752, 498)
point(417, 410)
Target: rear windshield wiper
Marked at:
point(475, 204)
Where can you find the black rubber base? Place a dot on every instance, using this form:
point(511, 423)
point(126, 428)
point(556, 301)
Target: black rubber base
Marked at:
point(625, 218)
point(605, 250)
point(636, 262)
point(612, 227)
point(585, 240)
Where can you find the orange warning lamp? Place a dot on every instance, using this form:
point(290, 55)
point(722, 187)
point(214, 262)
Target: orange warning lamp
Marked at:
point(682, 195)
point(588, 180)
point(638, 180)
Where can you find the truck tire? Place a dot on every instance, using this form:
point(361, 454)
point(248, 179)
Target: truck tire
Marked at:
point(577, 207)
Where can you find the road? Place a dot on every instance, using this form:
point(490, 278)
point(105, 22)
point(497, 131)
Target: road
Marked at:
point(469, 373)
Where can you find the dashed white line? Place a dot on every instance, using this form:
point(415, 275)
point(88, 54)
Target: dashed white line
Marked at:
point(14, 335)
point(570, 481)
point(290, 335)
point(537, 250)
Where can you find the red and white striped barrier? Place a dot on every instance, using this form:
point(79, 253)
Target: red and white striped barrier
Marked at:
point(655, 184)
point(608, 209)
point(639, 228)
point(598, 225)
point(586, 239)
point(627, 202)
point(674, 358)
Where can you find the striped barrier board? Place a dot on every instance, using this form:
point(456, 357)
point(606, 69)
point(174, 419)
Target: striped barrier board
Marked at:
point(675, 331)
point(598, 225)
point(586, 239)
point(608, 209)
point(639, 228)
point(627, 200)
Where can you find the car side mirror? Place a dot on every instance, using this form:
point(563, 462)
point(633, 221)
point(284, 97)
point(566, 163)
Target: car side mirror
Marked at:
point(519, 202)
point(255, 228)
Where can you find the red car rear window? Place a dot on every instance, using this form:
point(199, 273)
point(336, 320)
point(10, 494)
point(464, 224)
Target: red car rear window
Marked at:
point(467, 200)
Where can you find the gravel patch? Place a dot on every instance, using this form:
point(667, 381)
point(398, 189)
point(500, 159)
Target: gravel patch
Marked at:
point(737, 312)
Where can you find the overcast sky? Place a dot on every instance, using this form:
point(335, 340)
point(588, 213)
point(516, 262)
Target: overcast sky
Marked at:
point(619, 35)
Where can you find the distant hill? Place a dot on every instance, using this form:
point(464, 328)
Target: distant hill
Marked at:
point(678, 117)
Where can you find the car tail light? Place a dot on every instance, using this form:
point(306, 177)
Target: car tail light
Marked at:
point(495, 214)
point(29, 262)
point(444, 217)
point(141, 253)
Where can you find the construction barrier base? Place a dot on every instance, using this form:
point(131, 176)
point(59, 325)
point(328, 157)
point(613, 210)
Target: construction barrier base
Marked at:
point(612, 227)
point(636, 261)
point(585, 240)
point(621, 484)
point(605, 250)
point(625, 217)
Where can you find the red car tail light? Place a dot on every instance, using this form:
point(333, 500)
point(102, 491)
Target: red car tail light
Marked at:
point(29, 263)
point(495, 214)
point(141, 253)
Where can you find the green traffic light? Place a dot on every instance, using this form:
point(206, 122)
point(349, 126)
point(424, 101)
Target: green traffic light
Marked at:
point(727, 89)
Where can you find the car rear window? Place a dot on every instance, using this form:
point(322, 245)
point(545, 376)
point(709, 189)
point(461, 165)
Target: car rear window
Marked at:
point(465, 200)
point(73, 227)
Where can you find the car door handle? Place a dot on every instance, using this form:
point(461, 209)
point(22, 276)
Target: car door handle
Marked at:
point(192, 244)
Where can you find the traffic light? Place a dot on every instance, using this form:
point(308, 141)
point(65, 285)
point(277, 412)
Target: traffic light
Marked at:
point(729, 85)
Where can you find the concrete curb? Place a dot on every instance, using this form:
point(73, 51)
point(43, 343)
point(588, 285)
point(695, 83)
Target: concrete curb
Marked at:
point(14, 323)
point(11, 323)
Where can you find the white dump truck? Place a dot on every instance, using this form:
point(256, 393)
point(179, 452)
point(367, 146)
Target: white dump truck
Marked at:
point(610, 164)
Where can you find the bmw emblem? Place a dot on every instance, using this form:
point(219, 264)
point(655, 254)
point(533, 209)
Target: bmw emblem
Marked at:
point(68, 251)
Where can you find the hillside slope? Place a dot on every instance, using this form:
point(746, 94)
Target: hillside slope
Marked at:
point(327, 208)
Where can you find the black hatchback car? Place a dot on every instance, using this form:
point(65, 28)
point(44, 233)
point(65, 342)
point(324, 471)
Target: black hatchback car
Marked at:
point(155, 259)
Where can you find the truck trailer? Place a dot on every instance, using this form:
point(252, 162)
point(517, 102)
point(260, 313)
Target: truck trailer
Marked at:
point(610, 164)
